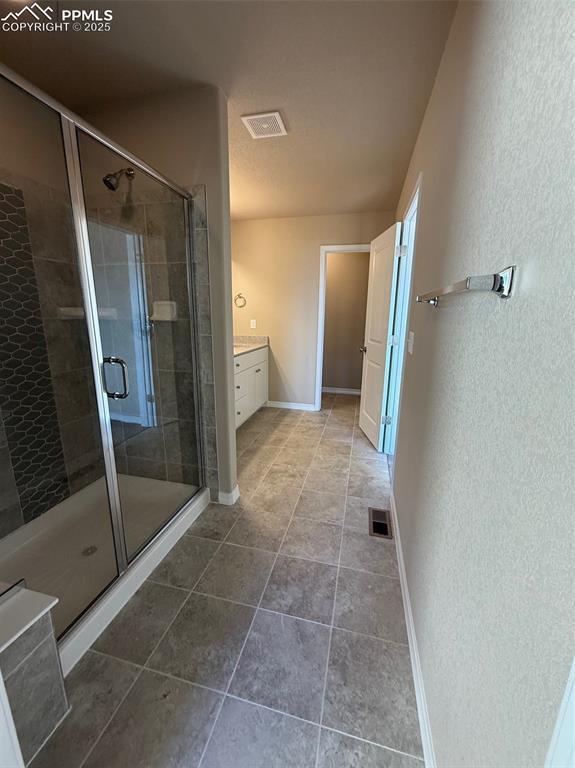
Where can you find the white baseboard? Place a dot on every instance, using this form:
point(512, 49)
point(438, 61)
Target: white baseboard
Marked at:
point(83, 635)
point(341, 391)
point(291, 406)
point(229, 498)
point(424, 724)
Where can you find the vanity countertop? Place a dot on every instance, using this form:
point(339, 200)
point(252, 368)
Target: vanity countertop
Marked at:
point(241, 349)
point(243, 344)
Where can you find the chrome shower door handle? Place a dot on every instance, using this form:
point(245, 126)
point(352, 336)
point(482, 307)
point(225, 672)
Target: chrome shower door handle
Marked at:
point(122, 363)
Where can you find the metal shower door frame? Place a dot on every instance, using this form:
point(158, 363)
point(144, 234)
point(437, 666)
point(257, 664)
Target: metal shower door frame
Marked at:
point(93, 325)
point(70, 131)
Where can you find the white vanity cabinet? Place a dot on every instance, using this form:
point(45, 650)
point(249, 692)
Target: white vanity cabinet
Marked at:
point(250, 382)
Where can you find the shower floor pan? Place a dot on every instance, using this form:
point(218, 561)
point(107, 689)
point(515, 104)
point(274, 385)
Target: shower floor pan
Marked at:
point(68, 552)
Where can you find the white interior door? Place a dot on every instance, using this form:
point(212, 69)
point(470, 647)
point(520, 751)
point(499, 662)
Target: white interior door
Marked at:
point(375, 345)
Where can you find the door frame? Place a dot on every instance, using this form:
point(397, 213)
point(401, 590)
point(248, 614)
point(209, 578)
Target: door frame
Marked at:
point(323, 251)
point(401, 312)
point(395, 389)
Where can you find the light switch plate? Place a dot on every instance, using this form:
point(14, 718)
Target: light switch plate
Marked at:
point(253, 324)
point(410, 340)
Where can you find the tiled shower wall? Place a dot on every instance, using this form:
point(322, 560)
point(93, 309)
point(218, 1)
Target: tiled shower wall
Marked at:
point(201, 269)
point(48, 447)
point(167, 448)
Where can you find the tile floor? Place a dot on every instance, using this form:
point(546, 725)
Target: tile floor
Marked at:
point(272, 635)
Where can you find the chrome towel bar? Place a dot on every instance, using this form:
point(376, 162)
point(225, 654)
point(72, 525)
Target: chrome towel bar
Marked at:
point(500, 283)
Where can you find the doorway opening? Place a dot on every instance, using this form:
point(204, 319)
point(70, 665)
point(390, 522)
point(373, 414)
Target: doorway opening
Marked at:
point(344, 273)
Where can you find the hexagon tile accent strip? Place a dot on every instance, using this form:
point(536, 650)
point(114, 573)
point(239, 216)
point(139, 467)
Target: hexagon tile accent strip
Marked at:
point(26, 394)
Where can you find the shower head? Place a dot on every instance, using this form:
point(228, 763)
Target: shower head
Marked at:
point(112, 180)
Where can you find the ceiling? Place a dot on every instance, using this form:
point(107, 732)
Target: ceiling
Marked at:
point(351, 80)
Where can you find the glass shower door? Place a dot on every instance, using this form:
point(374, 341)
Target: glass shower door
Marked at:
point(137, 237)
point(55, 521)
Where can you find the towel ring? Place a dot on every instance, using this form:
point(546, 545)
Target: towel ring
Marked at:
point(240, 300)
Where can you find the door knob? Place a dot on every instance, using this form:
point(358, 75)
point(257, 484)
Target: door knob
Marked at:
point(363, 349)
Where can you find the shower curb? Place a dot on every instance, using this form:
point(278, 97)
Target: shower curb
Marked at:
point(84, 633)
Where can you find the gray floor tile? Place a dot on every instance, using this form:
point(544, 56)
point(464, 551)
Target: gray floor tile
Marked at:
point(283, 665)
point(245, 439)
point(315, 541)
point(369, 488)
point(274, 439)
point(324, 507)
point(374, 468)
point(370, 692)
point(326, 482)
point(368, 553)
point(214, 522)
point(332, 447)
point(262, 455)
point(282, 477)
point(301, 588)
point(330, 463)
point(362, 447)
point(259, 529)
point(237, 573)
point(204, 642)
point(339, 751)
point(370, 603)
point(249, 736)
point(310, 430)
point(315, 418)
point(288, 416)
point(273, 499)
point(185, 562)
point(163, 722)
point(357, 512)
point(342, 434)
point(95, 688)
point(136, 630)
point(343, 410)
point(295, 442)
point(249, 477)
point(247, 466)
point(283, 426)
point(337, 420)
point(292, 457)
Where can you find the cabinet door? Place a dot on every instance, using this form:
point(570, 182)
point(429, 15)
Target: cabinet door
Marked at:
point(261, 385)
point(242, 411)
point(251, 389)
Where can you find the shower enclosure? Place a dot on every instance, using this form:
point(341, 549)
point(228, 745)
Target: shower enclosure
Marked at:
point(99, 417)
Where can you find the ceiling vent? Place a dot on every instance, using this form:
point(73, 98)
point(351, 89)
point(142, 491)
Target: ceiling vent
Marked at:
point(265, 125)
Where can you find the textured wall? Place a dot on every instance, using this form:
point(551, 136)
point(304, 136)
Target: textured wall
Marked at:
point(484, 471)
point(276, 266)
point(346, 281)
